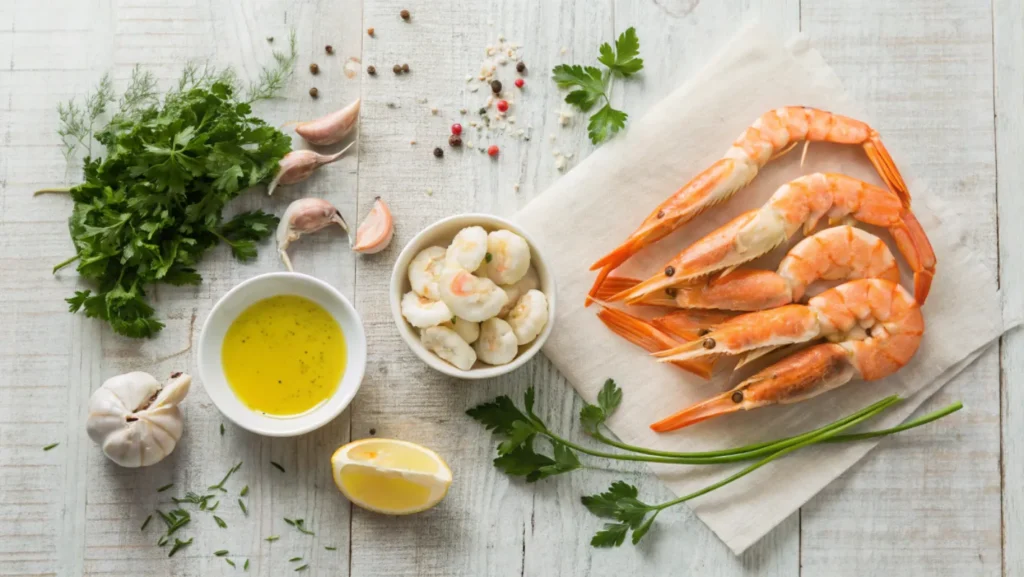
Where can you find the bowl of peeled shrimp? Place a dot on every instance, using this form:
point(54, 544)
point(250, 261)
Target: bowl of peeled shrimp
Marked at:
point(472, 296)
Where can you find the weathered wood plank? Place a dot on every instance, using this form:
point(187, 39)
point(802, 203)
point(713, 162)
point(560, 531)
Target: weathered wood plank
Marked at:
point(1008, 28)
point(927, 502)
point(71, 511)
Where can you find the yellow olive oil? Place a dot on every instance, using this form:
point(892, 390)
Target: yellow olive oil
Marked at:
point(284, 355)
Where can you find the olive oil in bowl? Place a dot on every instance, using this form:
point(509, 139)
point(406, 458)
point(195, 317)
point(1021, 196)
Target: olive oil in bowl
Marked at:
point(284, 356)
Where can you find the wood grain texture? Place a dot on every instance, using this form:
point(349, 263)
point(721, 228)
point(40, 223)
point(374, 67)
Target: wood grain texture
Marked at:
point(927, 504)
point(1008, 20)
point(928, 501)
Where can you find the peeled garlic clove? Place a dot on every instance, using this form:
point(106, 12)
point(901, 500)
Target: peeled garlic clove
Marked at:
point(332, 128)
point(135, 420)
point(305, 216)
point(376, 230)
point(297, 165)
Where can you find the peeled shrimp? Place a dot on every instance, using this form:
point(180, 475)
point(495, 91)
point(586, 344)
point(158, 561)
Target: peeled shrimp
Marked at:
point(422, 312)
point(508, 257)
point(838, 253)
point(469, 296)
point(448, 345)
point(517, 289)
point(529, 316)
point(875, 327)
point(425, 272)
point(769, 137)
point(468, 248)
point(497, 343)
point(799, 203)
point(305, 216)
point(468, 330)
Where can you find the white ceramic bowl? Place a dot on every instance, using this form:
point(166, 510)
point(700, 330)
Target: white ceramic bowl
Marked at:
point(232, 304)
point(440, 234)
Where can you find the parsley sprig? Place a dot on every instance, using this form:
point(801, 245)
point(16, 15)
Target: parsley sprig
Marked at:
point(149, 209)
point(518, 457)
point(590, 85)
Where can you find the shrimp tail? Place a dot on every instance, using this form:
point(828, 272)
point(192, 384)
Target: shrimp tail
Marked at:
point(611, 286)
point(914, 245)
point(886, 167)
point(795, 378)
point(649, 338)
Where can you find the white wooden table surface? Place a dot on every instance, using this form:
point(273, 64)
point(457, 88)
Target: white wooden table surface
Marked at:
point(942, 79)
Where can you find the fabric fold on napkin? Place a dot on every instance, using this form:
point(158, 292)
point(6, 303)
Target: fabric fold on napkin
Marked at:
point(600, 202)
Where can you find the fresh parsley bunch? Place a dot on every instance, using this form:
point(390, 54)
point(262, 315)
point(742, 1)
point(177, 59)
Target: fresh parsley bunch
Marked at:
point(148, 210)
point(590, 85)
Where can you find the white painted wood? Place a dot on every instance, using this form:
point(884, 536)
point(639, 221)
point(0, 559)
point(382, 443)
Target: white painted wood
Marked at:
point(1008, 20)
point(927, 502)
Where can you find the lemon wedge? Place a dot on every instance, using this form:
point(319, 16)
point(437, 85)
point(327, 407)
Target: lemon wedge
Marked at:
point(390, 476)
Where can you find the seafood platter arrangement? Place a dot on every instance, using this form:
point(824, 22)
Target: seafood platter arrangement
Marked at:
point(473, 297)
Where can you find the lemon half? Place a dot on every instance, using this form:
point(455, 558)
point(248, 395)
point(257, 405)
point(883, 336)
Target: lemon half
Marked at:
point(390, 476)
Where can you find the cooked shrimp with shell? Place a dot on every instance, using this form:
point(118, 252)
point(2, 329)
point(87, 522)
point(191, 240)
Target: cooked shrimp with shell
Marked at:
point(489, 290)
point(874, 327)
point(769, 137)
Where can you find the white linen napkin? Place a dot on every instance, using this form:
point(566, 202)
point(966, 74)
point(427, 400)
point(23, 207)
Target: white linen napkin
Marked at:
point(595, 206)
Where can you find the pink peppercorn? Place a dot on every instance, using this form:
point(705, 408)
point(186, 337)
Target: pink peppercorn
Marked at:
point(492, 150)
point(456, 129)
point(520, 82)
point(502, 105)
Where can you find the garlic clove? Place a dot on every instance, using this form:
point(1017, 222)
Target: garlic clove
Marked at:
point(297, 165)
point(331, 128)
point(305, 216)
point(376, 230)
point(174, 391)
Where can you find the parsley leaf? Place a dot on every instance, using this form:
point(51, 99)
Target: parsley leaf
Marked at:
point(605, 122)
point(623, 59)
point(609, 399)
point(150, 208)
point(606, 504)
point(588, 83)
point(613, 535)
point(498, 415)
point(589, 86)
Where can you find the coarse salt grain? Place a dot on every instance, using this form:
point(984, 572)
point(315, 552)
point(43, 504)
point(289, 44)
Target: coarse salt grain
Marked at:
point(564, 50)
point(515, 187)
point(462, 111)
point(433, 110)
point(502, 60)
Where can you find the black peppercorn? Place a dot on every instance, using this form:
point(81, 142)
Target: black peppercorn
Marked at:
point(520, 67)
point(397, 68)
point(670, 270)
point(373, 431)
point(405, 68)
point(496, 86)
point(329, 49)
point(438, 152)
point(314, 92)
point(454, 141)
point(404, 14)
point(314, 69)
point(371, 70)
point(708, 343)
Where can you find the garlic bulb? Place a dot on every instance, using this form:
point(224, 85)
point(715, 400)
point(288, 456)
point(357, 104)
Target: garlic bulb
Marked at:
point(136, 421)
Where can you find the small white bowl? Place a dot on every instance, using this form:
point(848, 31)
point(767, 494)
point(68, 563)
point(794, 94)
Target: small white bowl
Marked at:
point(440, 234)
point(241, 297)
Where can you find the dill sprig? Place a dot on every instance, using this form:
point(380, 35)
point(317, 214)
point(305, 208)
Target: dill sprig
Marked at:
point(274, 77)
